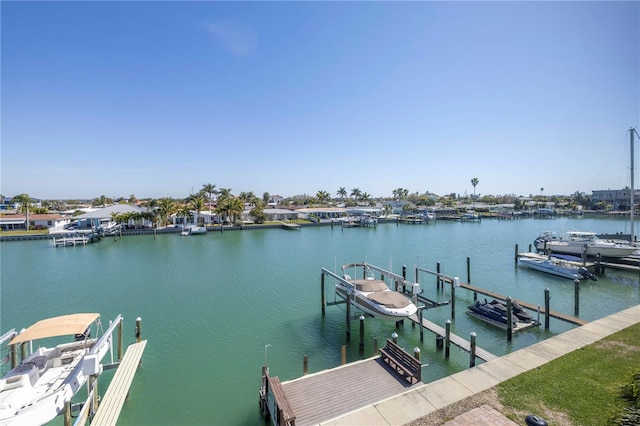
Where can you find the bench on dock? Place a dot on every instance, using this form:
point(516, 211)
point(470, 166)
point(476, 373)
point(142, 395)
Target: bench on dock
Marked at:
point(284, 412)
point(402, 362)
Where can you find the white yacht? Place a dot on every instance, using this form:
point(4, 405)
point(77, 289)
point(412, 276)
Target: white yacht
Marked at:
point(579, 242)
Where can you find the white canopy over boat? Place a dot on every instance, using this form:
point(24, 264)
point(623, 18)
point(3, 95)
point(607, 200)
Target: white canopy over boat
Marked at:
point(57, 326)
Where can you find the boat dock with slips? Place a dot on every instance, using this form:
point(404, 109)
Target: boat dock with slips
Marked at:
point(363, 392)
point(75, 239)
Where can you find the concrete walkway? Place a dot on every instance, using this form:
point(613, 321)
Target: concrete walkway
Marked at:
point(433, 396)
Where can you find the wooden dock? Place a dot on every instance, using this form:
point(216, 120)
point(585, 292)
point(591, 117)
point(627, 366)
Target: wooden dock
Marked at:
point(322, 396)
point(118, 391)
point(455, 339)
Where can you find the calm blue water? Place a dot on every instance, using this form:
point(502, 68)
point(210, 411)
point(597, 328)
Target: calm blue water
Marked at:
point(210, 304)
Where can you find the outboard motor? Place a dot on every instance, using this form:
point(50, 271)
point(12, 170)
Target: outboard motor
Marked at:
point(585, 273)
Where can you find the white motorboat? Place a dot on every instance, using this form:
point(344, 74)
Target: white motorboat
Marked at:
point(578, 242)
point(373, 296)
point(559, 267)
point(194, 230)
point(34, 391)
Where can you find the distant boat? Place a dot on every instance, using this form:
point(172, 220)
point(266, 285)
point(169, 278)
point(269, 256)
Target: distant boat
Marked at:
point(34, 392)
point(558, 267)
point(577, 242)
point(194, 230)
point(373, 296)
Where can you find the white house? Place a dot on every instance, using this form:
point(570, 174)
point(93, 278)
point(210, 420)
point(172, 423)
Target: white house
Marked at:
point(36, 221)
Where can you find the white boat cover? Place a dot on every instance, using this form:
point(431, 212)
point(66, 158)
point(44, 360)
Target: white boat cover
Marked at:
point(56, 326)
point(391, 299)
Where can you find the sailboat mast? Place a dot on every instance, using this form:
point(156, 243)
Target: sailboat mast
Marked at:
point(633, 207)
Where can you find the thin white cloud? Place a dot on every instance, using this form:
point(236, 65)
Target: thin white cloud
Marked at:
point(236, 37)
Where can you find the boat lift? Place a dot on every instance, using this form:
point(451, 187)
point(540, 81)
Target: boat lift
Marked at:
point(401, 284)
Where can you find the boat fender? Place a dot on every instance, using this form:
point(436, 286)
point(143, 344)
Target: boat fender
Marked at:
point(533, 420)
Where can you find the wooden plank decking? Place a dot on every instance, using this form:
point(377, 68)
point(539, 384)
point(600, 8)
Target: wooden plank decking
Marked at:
point(113, 400)
point(331, 393)
point(455, 339)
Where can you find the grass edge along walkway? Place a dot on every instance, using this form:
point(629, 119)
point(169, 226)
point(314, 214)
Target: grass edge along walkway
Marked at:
point(580, 388)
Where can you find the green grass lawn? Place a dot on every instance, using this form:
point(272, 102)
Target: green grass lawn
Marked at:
point(582, 387)
point(24, 232)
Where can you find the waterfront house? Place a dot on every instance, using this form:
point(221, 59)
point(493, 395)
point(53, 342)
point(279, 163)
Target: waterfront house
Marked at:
point(321, 213)
point(275, 200)
point(12, 222)
point(99, 217)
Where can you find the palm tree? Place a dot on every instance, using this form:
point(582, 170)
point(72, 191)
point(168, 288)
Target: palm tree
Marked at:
point(230, 207)
point(257, 212)
point(224, 193)
point(265, 198)
point(197, 203)
point(323, 196)
point(209, 189)
point(387, 209)
point(185, 213)
point(166, 207)
point(474, 182)
point(25, 202)
point(400, 193)
point(236, 208)
point(355, 193)
point(365, 197)
point(342, 193)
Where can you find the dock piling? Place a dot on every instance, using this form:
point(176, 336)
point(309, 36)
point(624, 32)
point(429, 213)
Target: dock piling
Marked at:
point(447, 337)
point(472, 352)
point(305, 365)
point(576, 293)
point(361, 344)
point(349, 297)
point(67, 413)
point(138, 330)
point(509, 319)
point(454, 284)
point(547, 299)
point(343, 354)
point(322, 296)
point(120, 340)
point(394, 337)
point(416, 353)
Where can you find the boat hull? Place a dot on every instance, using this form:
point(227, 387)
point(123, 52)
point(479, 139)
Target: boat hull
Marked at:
point(579, 243)
point(377, 310)
point(552, 268)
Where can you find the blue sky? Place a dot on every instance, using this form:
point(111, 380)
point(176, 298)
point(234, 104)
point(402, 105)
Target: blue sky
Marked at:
point(159, 98)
